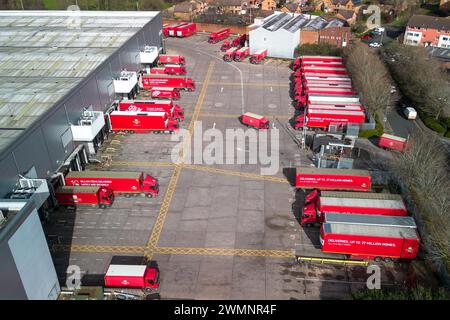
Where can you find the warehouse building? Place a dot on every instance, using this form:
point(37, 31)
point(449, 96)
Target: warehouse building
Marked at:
point(57, 71)
point(281, 33)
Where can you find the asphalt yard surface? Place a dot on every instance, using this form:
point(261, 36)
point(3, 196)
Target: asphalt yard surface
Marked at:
point(216, 231)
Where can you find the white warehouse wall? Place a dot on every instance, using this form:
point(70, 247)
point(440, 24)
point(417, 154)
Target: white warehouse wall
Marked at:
point(279, 44)
point(31, 255)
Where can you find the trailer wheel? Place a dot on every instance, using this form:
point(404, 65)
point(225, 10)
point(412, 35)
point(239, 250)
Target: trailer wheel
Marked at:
point(127, 195)
point(148, 289)
point(131, 131)
point(149, 195)
point(387, 259)
point(189, 90)
point(377, 259)
point(102, 206)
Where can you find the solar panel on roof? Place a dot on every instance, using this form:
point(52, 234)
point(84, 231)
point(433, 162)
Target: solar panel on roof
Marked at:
point(296, 23)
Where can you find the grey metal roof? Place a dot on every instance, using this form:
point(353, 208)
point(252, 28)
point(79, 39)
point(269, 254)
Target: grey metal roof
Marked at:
point(296, 23)
point(371, 230)
point(317, 24)
point(370, 219)
point(45, 54)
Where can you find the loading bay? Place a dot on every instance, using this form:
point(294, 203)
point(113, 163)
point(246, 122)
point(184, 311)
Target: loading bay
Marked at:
point(215, 231)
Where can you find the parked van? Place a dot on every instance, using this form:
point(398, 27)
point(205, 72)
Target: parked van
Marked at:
point(410, 113)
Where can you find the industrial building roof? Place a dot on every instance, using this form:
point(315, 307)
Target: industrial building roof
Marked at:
point(45, 54)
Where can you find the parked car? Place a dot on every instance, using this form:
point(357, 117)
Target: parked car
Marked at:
point(367, 37)
point(374, 44)
point(410, 113)
point(393, 89)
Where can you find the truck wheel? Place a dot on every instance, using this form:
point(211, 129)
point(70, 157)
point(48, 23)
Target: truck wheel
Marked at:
point(102, 206)
point(377, 259)
point(387, 259)
point(308, 225)
point(127, 195)
point(148, 289)
point(149, 195)
point(131, 131)
point(189, 89)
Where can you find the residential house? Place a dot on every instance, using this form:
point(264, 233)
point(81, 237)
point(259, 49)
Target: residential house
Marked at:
point(184, 11)
point(444, 6)
point(291, 8)
point(428, 31)
point(231, 6)
point(336, 5)
point(268, 5)
point(347, 15)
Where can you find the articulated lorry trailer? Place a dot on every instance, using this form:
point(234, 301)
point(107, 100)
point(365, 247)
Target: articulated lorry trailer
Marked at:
point(370, 237)
point(148, 81)
point(327, 98)
point(328, 64)
point(142, 122)
point(299, 61)
point(299, 86)
point(122, 183)
point(186, 30)
point(389, 141)
point(230, 54)
point(220, 35)
point(75, 196)
point(171, 59)
point(333, 179)
point(326, 70)
point(165, 93)
point(322, 118)
point(324, 90)
point(343, 107)
point(312, 76)
point(316, 207)
point(171, 69)
point(172, 29)
point(167, 106)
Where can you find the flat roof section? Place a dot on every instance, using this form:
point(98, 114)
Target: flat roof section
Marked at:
point(45, 54)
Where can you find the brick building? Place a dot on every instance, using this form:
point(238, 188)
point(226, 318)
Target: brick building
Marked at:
point(428, 31)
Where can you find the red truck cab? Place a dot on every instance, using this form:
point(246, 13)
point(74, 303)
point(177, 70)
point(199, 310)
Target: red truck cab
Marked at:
point(239, 41)
point(132, 276)
point(254, 120)
point(230, 54)
point(258, 56)
point(226, 45)
point(175, 69)
point(241, 54)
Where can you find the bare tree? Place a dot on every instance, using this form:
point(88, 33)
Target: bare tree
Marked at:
point(370, 77)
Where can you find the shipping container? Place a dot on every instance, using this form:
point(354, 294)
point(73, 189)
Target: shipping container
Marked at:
point(254, 120)
point(333, 179)
point(121, 182)
point(388, 141)
point(147, 81)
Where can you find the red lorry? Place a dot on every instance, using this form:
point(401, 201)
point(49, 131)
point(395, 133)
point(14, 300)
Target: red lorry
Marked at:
point(101, 197)
point(132, 276)
point(165, 93)
point(329, 90)
point(171, 59)
point(388, 141)
point(322, 118)
point(322, 84)
point(345, 107)
point(147, 81)
point(331, 64)
point(142, 122)
point(385, 204)
point(241, 54)
point(326, 98)
point(370, 237)
point(258, 56)
point(219, 35)
point(239, 41)
point(171, 30)
point(167, 106)
point(333, 179)
point(165, 29)
point(254, 120)
point(158, 70)
point(186, 30)
point(230, 54)
point(122, 183)
point(226, 45)
point(323, 77)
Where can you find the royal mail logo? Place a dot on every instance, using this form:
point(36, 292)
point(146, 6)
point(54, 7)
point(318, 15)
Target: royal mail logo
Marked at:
point(125, 282)
point(134, 187)
point(156, 93)
point(363, 184)
point(136, 121)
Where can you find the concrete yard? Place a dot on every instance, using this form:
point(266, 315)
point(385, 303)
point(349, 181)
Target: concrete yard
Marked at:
point(215, 231)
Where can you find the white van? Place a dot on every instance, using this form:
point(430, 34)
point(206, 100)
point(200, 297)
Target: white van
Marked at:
point(410, 113)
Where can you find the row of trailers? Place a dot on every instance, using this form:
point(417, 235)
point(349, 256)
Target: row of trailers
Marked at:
point(355, 222)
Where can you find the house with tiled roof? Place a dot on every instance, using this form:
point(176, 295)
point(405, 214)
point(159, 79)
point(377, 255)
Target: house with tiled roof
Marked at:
point(427, 31)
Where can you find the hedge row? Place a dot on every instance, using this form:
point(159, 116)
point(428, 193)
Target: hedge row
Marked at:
point(373, 133)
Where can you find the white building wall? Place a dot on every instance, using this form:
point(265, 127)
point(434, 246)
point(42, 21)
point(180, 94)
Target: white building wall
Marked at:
point(279, 44)
point(33, 261)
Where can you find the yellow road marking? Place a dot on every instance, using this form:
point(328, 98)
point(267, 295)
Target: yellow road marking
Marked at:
point(175, 250)
point(252, 176)
point(251, 84)
point(234, 116)
point(226, 252)
point(159, 223)
point(326, 260)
